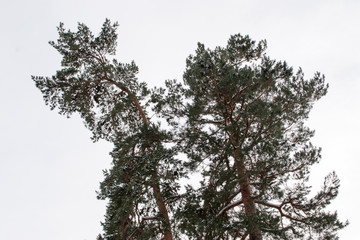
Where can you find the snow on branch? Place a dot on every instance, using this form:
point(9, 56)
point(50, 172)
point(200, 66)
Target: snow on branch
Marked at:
point(229, 206)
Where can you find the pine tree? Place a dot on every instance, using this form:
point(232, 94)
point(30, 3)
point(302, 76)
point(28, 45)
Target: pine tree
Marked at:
point(245, 131)
point(107, 95)
point(238, 117)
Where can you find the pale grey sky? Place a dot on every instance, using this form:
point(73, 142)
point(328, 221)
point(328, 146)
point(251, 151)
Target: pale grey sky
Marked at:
point(50, 169)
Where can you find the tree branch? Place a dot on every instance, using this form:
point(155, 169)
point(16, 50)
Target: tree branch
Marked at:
point(229, 206)
point(279, 208)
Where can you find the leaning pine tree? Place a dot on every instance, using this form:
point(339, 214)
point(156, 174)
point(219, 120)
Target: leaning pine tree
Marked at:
point(238, 117)
point(109, 98)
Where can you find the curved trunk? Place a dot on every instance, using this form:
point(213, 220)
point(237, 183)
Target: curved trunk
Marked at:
point(155, 186)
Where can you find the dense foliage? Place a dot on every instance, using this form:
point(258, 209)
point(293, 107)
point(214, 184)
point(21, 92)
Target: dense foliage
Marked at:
point(238, 119)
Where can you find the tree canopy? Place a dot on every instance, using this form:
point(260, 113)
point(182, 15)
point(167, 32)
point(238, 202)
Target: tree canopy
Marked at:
point(237, 118)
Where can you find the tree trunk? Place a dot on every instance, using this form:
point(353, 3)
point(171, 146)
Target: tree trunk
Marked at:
point(249, 204)
point(159, 199)
point(162, 208)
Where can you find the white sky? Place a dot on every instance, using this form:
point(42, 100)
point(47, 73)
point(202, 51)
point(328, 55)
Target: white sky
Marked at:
point(50, 169)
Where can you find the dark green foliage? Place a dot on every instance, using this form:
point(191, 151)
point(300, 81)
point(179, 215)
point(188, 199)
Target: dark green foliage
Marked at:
point(128, 183)
point(100, 89)
point(238, 118)
point(245, 122)
point(109, 98)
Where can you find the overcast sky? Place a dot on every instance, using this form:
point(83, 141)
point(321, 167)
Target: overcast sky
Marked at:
point(50, 169)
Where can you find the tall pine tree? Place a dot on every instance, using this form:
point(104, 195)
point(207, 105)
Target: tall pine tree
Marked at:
point(107, 95)
point(245, 131)
point(238, 117)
